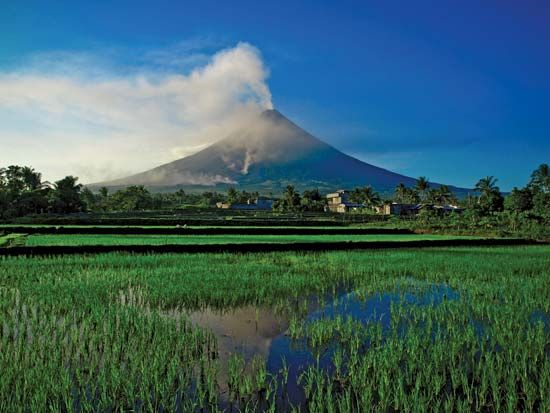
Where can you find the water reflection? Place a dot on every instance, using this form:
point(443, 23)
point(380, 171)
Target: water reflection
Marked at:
point(248, 331)
point(251, 331)
point(297, 355)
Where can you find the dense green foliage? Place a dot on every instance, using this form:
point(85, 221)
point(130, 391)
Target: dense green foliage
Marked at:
point(366, 196)
point(22, 192)
point(292, 201)
point(525, 211)
point(138, 198)
point(110, 332)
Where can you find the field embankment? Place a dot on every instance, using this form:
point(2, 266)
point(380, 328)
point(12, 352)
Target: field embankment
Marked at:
point(206, 217)
point(200, 230)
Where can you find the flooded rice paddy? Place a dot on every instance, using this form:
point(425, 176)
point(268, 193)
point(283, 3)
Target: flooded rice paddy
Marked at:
point(251, 333)
point(452, 330)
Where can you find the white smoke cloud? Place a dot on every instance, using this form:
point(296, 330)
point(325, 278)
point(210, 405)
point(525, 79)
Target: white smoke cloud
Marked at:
point(68, 113)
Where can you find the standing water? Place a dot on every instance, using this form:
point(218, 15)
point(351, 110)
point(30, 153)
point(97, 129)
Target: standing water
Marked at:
point(251, 332)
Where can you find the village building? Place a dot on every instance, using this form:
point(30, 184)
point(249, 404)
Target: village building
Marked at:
point(260, 204)
point(339, 202)
point(413, 209)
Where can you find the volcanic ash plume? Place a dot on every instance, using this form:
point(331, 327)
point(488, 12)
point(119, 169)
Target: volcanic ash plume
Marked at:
point(103, 118)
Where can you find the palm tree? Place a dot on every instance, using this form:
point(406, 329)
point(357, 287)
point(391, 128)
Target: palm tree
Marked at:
point(232, 195)
point(422, 186)
point(291, 198)
point(487, 187)
point(33, 179)
point(104, 192)
point(69, 184)
point(366, 196)
point(411, 196)
point(444, 195)
point(400, 192)
point(66, 195)
point(14, 181)
point(370, 196)
point(540, 178)
point(34, 190)
point(356, 195)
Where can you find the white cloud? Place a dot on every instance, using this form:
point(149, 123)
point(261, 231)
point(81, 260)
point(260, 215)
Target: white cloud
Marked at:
point(80, 113)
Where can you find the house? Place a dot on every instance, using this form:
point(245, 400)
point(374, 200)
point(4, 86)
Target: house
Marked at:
point(264, 203)
point(260, 204)
point(448, 208)
point(413, 209)
point(339, 202)
point(398, 209)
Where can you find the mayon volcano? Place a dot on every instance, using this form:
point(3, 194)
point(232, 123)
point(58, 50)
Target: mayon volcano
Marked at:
point(266, 155)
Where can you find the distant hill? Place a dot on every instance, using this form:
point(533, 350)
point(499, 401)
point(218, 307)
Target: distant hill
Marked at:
point(265, 156)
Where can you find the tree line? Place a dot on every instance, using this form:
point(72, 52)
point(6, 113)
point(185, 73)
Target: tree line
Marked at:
point(23, 192)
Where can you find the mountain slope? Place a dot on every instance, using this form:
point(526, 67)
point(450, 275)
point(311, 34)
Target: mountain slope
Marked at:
point(267, 155)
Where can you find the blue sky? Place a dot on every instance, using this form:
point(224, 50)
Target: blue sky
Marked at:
point(452, 90)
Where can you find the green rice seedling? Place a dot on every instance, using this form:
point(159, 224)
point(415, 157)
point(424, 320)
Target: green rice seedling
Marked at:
point(130, 239)
point(111, 332)
point(12, 240)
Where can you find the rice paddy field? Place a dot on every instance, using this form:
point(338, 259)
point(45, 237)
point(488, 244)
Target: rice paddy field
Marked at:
point(115, 239)
point(11, 239)
point(437, 329)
